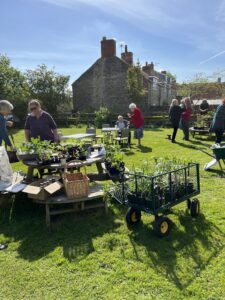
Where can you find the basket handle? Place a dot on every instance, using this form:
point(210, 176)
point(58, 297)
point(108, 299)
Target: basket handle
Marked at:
point(76, 161)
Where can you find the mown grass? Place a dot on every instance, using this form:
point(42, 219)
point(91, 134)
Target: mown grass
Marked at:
point(90, 255)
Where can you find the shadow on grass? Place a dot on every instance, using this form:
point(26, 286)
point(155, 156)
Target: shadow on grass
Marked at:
point(154, 129)
point(216, 172)
point(128, 151)
point(186, 145)
point(144, 149)
point(25, 222)
point(200, 143)
point(196, 243)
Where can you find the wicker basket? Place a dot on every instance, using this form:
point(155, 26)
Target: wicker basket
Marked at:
point(76, 184)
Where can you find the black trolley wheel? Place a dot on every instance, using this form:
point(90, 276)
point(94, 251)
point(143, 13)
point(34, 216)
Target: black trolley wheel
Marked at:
point(162, 226)
point(133, 216)
point(195, 207)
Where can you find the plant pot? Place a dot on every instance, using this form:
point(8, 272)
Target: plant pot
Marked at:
point(167, 196)
point(136, 199)
point(82, 157)
point(181, 191)
point(113, 171)
point(190, 187)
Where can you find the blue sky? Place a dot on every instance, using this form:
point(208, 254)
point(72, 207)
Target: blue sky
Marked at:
point(182, 36)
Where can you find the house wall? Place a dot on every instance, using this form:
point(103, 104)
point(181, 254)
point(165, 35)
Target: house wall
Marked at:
point(104, 84)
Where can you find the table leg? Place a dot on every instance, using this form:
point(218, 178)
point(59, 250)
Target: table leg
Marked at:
point(30, 173)
point(99, 167)
point(47, 212)
point(106, 207)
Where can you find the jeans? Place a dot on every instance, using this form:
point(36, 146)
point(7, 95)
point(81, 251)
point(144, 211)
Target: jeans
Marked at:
point(219, 135)
point(185, 127)
point(174, 133)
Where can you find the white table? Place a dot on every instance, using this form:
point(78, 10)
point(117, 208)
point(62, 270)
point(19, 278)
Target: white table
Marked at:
point(77, 136)
point(110, 129)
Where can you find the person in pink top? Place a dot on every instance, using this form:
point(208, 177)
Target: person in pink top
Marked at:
point(185, 117)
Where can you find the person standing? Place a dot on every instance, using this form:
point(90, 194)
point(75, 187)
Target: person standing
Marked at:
point(218, 123)
point(40, 124)
point(175, 112)
point(5, 109)
point(185, 117)
point(137, 120)
point(204, 107)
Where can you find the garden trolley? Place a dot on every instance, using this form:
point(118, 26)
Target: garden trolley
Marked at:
point(155, 195)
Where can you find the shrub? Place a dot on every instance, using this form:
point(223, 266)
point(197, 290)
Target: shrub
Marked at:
point(102, 116)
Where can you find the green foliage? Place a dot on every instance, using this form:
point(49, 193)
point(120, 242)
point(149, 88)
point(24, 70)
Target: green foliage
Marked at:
point(13, 86)
point(49, 87)
point(135, 84)
point(102, 116)
point(202, 86)
point(168, 73)
point(90, 255)
point(44, 84)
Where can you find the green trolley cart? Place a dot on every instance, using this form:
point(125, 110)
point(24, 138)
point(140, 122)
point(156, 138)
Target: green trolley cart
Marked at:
point(156, 195)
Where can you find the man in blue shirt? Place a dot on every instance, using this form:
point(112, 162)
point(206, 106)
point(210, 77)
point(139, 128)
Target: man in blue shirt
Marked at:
point(40, 124)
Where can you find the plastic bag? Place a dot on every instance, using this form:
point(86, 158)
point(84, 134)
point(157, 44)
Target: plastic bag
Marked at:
point(6, 172)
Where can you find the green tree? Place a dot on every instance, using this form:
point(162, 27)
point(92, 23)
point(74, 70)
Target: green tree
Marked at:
point(135, 84)
point(168, 73)
point(13, 87)
point(202, 86)
point(49, 87)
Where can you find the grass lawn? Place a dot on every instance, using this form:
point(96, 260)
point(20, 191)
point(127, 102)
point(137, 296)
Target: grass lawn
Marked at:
point(90, 255)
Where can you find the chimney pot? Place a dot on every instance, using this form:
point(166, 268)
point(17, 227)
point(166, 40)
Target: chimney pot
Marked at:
point(127, 56)
point(108, 47)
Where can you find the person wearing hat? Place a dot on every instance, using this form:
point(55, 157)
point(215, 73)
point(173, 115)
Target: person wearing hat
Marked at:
point(218, 123)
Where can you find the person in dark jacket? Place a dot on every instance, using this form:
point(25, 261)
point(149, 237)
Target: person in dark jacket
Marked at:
point(5, 109)
point(175, 115)
point(218, 123)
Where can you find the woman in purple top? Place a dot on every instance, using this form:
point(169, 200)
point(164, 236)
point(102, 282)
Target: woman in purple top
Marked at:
point(40, 124)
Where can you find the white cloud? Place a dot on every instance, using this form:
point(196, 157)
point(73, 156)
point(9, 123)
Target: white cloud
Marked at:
point(183, 21)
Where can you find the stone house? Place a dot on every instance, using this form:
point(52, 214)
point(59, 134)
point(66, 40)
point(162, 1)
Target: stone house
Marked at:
point(105, 83)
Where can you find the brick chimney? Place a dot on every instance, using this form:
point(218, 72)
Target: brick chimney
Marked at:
point(108, 47)
point(127, 56)
point(148, 68)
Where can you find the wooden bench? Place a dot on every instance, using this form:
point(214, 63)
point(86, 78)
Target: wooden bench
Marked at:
point(93, 200)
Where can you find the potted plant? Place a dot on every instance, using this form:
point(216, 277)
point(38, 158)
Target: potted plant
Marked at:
point(82, 151)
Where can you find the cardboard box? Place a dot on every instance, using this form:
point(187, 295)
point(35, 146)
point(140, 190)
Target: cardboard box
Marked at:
point(40, 191)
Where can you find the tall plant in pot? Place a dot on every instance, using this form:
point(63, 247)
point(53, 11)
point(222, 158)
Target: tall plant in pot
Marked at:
point(114, 160)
